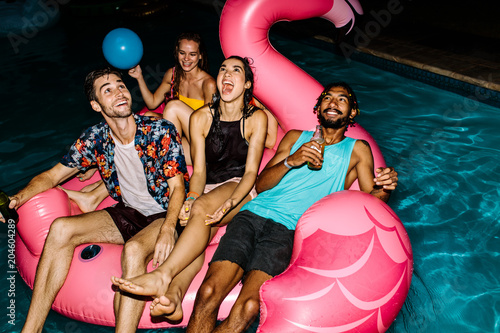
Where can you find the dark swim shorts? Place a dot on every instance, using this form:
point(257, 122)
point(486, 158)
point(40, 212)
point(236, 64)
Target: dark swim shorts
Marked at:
point(130, 221)
point(256, 243)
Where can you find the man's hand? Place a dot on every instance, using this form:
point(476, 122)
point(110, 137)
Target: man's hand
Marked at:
point(12, 205)
point(387, 178)
point(164, 244)
point(308, 152)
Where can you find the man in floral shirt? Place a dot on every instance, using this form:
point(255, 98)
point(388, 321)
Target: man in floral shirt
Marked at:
point(142, 165)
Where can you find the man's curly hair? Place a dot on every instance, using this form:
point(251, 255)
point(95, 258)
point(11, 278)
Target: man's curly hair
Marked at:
point(353, 102)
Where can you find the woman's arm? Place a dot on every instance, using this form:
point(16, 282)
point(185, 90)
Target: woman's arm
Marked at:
point(152, 100)
point(257, 131)
point(272, 125)
point(199, 123)
point(209, 89)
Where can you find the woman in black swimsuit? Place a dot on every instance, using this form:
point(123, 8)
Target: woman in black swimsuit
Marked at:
point(227, 143)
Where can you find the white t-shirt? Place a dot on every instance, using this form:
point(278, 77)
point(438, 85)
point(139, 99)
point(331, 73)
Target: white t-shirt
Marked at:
point(133, 184)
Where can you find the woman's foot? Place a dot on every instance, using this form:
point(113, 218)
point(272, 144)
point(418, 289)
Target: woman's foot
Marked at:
point(149, 284)
point(168, 306)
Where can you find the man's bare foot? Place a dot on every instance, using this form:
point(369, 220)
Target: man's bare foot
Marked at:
point(149, 284)
point(87, 201)
point(168, 306)
point(86, 175)
point(91, 187)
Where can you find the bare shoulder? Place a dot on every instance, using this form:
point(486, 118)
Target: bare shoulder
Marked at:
point(209, 87)
point(362, 146)
point(258, 116)
point(202, 114)
point(361, 151)
point(290, 138)
point(208, 80)
point(255, 124)
point(168, 76)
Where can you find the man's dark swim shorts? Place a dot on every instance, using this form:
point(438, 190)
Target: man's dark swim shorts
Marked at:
point(130, 221)
point(256, 243)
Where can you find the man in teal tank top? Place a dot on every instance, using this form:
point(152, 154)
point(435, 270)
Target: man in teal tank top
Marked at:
point(258, 241)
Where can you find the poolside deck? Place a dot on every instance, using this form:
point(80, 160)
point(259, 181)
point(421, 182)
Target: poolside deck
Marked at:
point(476, 60)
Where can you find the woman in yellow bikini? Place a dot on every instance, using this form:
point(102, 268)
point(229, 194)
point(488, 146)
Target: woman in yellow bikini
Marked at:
point(185, 87)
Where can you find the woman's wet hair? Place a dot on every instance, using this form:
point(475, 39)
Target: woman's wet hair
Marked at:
point(90, 79)
point(353, 101)
point(202, 64)
point(248, 107)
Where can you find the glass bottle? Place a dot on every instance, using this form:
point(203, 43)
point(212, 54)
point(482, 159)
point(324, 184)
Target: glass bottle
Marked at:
point(318, 137)
point(7, 213)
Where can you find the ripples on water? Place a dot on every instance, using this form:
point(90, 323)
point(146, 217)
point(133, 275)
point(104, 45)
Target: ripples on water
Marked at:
point(444, 146)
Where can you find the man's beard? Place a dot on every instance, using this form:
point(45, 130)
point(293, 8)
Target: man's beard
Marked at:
point(116, 114)
point(335, 124)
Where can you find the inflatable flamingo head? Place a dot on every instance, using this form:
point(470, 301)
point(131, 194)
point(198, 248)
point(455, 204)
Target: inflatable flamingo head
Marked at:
point(351, 269)
point(283, 87)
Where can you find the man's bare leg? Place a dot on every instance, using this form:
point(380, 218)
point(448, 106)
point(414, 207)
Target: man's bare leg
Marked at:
point(192, 242)
point(221, 278)
point(247, 306)
point(136, 254)
point(65, 234)
point(90, 199)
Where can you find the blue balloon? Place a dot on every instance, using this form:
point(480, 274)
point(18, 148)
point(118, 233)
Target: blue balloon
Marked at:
point(122, 48)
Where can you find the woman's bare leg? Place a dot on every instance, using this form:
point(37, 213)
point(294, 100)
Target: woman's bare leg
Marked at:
point(170, 304)
point(178, 113)
point(191, 244)
point(152, 114)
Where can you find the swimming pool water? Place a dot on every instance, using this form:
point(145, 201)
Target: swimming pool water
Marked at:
point(444, 146)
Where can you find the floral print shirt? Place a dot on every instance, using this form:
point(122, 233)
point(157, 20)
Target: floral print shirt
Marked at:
point(158, 145)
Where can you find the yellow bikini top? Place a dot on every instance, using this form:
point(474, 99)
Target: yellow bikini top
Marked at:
point(193, 103)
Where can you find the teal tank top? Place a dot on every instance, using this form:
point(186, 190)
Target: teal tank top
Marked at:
point(301, 187)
